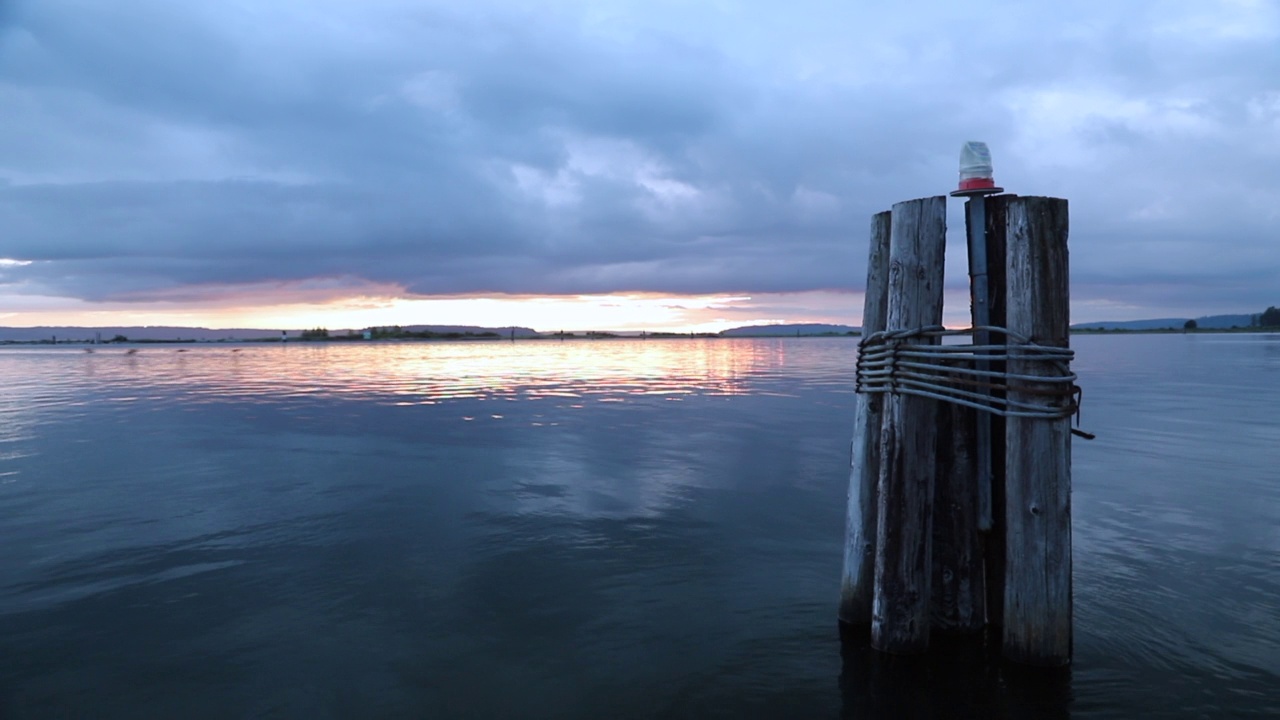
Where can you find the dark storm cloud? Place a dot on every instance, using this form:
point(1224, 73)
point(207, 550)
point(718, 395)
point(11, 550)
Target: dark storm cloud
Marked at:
point(149, 146)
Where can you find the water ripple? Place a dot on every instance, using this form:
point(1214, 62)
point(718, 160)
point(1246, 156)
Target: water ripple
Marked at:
point(584, 529)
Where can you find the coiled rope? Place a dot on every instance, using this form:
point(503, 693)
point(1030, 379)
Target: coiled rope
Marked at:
point(913, 362)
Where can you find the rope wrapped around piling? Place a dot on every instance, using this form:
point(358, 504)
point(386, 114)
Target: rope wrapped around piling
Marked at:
point(912, 362)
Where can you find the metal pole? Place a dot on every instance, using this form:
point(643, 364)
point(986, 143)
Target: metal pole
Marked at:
point(977, 227)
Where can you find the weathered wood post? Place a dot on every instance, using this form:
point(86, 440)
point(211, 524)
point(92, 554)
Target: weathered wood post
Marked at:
point(958, 589)
point(857, 583)
point(900, 609)
point(1037, 600)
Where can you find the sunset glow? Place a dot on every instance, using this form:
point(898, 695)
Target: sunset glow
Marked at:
point(631, 312)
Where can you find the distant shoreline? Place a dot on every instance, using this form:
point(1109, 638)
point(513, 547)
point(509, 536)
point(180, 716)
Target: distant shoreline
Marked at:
point(1176, 331)
point(382, 341)
point(552, 337)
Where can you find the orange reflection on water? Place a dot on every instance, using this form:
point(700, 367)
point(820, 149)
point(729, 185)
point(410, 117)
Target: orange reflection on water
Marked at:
point(412, 372)
point(570, 370)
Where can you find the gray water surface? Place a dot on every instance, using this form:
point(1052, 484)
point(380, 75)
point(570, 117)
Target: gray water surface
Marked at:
point(584, 530)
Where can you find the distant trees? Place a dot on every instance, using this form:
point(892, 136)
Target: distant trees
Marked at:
point(1270, 317)
point(395, 332)
point(315, 334)
point(1189, 325)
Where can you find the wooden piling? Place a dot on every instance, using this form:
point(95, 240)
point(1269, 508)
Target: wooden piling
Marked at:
point(958, 604)
point(900, 609)
point(857, 583)
point(1037, 599)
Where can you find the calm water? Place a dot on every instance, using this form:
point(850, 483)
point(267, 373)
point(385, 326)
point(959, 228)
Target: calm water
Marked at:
point(584, 530)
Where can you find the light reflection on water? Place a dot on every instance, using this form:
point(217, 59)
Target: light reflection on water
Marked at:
point(583, 529)
point(422, 372)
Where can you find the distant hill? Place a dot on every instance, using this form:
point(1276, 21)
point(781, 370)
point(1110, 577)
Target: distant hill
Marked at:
point(1225, 321)
point(789, 330)
point(1157, 324)
point(1208, 322)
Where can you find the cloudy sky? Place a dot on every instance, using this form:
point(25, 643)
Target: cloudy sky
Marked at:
point(613, 164)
